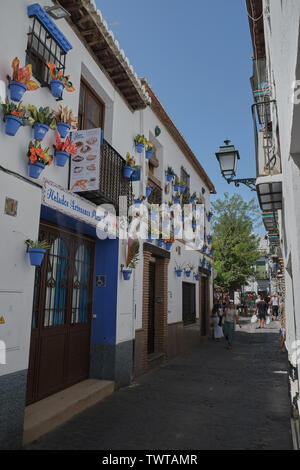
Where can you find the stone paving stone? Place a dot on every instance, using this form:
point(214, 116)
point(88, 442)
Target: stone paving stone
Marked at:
point(209, 398)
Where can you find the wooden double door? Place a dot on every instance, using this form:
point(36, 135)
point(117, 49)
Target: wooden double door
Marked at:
point(61, 317)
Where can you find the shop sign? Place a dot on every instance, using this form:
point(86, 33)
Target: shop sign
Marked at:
point(85, 164)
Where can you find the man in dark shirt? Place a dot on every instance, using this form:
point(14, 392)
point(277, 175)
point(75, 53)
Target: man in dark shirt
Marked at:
point(261, 311)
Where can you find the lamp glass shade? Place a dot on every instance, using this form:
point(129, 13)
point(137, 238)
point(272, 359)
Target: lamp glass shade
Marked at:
point(228, 163)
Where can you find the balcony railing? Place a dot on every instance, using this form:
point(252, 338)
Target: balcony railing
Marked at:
point(112, 183)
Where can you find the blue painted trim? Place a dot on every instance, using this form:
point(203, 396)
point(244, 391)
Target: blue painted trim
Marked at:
point(36, 10)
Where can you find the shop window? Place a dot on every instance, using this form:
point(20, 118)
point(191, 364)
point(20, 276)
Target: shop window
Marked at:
point(91, 109)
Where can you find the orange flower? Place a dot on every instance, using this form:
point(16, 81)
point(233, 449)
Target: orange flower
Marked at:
point(40, 153)
point(33, 158)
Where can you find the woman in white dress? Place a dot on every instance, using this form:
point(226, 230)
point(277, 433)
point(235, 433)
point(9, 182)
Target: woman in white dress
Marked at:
point(217, 330)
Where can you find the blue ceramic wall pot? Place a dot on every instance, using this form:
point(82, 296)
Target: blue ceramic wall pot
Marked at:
point(126, 274)
point(57, 87)
point(139, 147)
point(149, 154)
point(168, 246)
point(169, 177)
point(178, 272)
point(127, 172)
point(40, 130)
point(17, 90)
point(188, 273)
point(36, 256)
point(35, 169)
point(12, 124)
point(148, 191)
point(61, 157)
point(63, 128)
point(160, 243)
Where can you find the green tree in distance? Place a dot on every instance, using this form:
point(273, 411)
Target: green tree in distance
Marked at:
point(235, 244)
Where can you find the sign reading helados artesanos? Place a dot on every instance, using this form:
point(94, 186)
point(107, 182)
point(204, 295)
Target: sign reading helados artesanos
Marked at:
point(85, 164)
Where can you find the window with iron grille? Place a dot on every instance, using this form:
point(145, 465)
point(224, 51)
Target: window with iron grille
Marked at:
point(42, 47)
point(185, 178)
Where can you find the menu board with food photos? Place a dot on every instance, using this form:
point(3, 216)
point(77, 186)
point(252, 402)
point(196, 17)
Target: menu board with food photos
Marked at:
point(85, 164)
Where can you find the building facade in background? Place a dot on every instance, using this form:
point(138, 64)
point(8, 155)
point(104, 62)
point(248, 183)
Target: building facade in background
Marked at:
point(76, 317)
point(274, 27)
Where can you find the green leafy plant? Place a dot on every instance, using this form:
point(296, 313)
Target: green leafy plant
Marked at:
point(170, 171)
point(140, 139)
point(58, 75)
point(42, 115)
point(185, 198)
point(65, 114)
point(23, 75)
point(133, 253)
point(130, 161)
point(42, 244)
point(194, 195)
point(11, 108)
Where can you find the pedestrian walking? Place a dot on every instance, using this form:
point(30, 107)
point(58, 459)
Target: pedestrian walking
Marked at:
point(275, 306)
point(261, 308)
point(217, 329)
point(231, 318)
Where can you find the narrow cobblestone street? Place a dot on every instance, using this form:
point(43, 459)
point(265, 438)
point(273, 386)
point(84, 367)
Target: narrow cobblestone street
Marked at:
point(208, 399)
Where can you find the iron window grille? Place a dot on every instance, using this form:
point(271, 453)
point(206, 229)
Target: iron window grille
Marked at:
point(185, 178)
point(42, 47)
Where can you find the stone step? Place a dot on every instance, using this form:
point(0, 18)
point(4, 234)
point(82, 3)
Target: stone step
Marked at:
point(45, 415)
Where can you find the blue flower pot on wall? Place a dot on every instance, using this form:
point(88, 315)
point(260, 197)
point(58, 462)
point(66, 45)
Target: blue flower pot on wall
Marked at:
point(176, 187)
point(211, 251)
point(150, 238)
point(197, 277)
point(40, 130)
point(188, 273)
point(168, 246)
point(203, 264)
point(35, 169)
point(182, 189)
point(127, 171)
point(137, 202)
point(12, 124)
point(17, 90)
point(148, 191)
point(209, 240)
point(57, 87)
point(176, 200)
point(178, 272)
point(149, 154)
point(169, 177)
point(36, 256)
point(209, 217)
point(63, 128)
point(61, 157)
point(192, 199)
point(126, 274)
point(160, 243)
point(139, 147)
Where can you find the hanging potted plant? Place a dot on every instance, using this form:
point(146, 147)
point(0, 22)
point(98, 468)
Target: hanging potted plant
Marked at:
point(176, 198)
point(132, 258)
point(139, 200)
point(149, 150)
point(129, 166)
point(41, 119)
point(189, 269)
point(140, 142)
point(176, 185)
point(65, 120)
point(178, 269)
point(37, 250)
point(204, 248)
point(160, 241)
point(209, 216)
point(209, 239)
point(182, 186)
point(197, 276)
point(38, 158)
point(169, 243)
point(170, 174)
point(185, 198)
point(203, 262)
point(14, 116)
point(193, 197)
point(63, 150)
point(21, 80)
point(148, 191)
point(209, 266)
point(211, 251)
point(59, 82)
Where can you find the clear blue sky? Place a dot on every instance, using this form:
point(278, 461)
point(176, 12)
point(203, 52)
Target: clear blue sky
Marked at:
point(196, 55)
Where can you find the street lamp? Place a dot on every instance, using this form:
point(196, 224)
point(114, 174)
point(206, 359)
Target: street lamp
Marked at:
point(228, 157)
point(57, 12)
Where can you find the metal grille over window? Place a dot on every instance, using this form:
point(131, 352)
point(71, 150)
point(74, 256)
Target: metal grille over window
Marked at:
point(56, 284)
point(185, 178)
point(81, 285)
point(42, 47)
